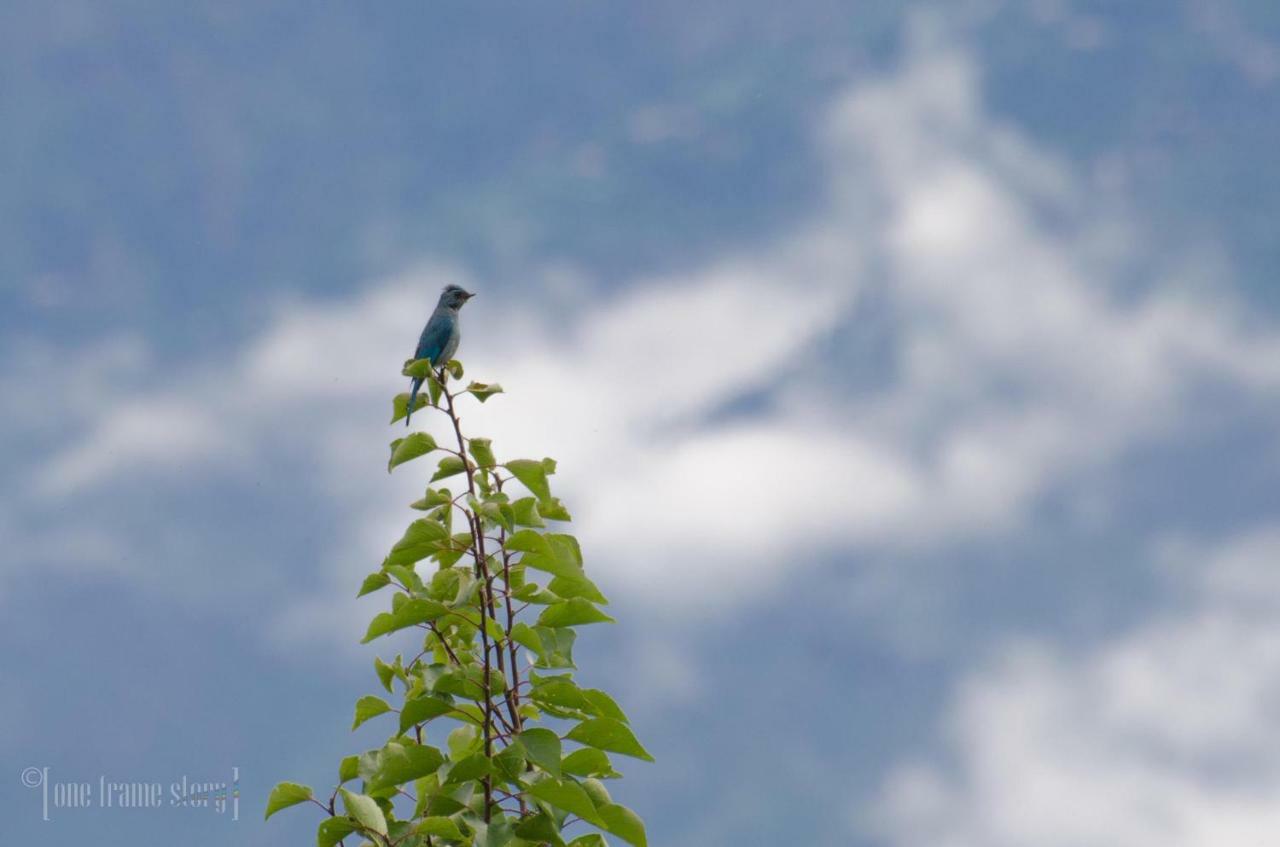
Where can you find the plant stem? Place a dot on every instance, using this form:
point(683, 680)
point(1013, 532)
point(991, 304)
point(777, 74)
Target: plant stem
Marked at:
point(486, 604)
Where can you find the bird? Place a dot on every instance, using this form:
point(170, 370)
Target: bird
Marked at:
point(439, 339)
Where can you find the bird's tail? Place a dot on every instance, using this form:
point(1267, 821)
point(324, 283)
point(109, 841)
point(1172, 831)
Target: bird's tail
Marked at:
point(413, 396)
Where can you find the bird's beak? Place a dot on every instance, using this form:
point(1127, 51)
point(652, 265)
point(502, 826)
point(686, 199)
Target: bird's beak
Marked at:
point(470, 294)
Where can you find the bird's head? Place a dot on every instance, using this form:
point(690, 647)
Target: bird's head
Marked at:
point(454, 296)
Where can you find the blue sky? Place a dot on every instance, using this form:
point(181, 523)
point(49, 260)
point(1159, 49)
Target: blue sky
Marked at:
point(912, 369)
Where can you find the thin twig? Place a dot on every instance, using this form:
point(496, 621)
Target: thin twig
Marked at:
point(482, 571)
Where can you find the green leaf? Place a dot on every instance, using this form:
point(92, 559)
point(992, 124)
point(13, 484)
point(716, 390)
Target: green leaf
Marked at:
point(400, 404)
point(369, 707)
point(373, 582)
point(482, 391)
point(534, 593)
point(567, 795)
point(609, 734)
point(597, 792)
point(497, 833)
point(532, 475)
point(463, 741)
point(554, 511)
point(510, 760)
point(433, 497)
point(441, 827)
point(572, 612)
point(423, 789)
point(445, 584)
point(588, 761)
point(524, 635)
point(577, 586)
point(528, 541)
point(443, 804)
point(495, 512)
point(382, 623)
point(333, 830)
point(367, 764)
point(454, 550)
point(603, 705)
point(464, 682)
point(422, 709)
point(468, 712)
point(287, 794)
point(566, 548)
point(526, 512)
point(449, 466)
point(624, 823)
point(558, 555)
point(560, 691)
point(481, 450)
point(349, 768)
point(365, 810)
point(542, 746)
point(400, 763)
point(419, 369)
point(407, 575)
point(410, 447)
point(408, 613)
point(472, 767)
point(454, 367)
point(386, 673)
point(591, 839)
point(557, 647)
point(540, 829)
point(466, 588)
point(423, 537)
point(495, 631)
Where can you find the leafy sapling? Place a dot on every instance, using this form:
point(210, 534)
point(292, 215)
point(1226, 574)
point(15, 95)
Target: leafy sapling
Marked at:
point(492, 741)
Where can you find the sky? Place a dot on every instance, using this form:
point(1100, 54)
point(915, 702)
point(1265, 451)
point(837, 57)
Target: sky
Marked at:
point(912, 371)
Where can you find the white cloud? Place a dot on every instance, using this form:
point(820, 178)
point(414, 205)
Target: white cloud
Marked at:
point(1165, 736)
point(150, 430)
point(1015, 368)
point(1019, 362)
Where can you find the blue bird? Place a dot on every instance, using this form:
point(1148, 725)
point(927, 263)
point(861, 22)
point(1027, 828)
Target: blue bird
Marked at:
point(439, 337)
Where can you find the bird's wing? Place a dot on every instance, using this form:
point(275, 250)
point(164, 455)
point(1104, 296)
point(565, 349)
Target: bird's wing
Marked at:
point(435, 335)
